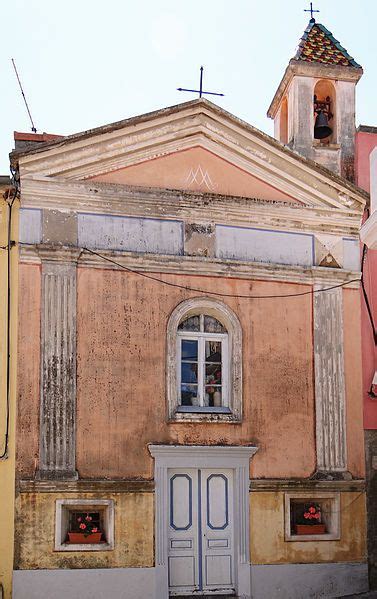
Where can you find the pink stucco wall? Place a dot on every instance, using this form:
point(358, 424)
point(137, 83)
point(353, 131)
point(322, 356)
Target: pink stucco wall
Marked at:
point(365, 143)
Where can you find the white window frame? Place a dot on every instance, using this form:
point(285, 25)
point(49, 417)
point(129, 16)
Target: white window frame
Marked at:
point(62, 510)
point(231, 409)
point(331, 518)
point(201, 337)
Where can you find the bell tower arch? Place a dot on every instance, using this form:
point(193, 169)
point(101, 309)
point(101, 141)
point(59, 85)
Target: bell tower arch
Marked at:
point(314, 106)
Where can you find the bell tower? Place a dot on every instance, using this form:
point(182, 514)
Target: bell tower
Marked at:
point(314, 106)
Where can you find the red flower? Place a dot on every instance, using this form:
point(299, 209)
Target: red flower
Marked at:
point(95, 530)
point(79, 519)
point(88, 518)
point(83, 526)
point(312, 510)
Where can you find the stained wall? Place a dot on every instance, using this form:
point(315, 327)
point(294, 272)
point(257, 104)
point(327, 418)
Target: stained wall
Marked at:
point(268, 545)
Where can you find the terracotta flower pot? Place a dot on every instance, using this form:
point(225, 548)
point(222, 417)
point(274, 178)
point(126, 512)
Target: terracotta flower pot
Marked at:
point(310, 529)
point(78, 538)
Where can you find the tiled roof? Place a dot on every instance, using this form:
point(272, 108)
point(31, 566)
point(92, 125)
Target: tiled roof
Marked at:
point(319, 45)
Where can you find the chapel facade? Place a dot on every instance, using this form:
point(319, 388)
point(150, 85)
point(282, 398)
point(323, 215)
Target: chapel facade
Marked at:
point(190, 415)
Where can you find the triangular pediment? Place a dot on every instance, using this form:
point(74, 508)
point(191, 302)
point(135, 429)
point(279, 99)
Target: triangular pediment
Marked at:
point(195, 169)
point(195, 146)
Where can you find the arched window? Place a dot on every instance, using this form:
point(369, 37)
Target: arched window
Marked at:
point(204, 362)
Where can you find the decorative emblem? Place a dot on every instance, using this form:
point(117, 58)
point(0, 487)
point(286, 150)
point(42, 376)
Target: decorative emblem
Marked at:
point(200, 177)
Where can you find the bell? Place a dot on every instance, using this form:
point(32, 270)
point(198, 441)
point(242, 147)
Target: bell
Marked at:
point(321, 127)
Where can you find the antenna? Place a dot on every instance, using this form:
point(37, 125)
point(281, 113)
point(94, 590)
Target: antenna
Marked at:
point(33, 128)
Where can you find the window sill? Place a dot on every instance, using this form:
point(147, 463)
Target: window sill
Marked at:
point(85, 547)
point(322, 537)
point(222, 415)
point(203, 410)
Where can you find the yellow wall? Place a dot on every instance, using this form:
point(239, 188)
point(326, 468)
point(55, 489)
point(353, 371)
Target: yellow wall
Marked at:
point(267, 533)
point(7, 466)
point(133, 533)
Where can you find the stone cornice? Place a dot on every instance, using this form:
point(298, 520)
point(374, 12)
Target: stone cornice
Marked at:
point(190, 265)
point(305, 484)
point(86, 486)
point(107, 198)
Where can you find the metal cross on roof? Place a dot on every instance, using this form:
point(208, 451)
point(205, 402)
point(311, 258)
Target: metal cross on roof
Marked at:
point(200, 90)
point(311, 10)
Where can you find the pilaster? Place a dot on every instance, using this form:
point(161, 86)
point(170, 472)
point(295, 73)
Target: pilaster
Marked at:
point(329, 381)
point(58, 369)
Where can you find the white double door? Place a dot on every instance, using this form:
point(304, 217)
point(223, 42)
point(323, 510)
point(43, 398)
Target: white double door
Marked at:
point(200, 531)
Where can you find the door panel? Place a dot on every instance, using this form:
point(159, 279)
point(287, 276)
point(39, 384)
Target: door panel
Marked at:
point(217, 519)
point(183, 530)
point(200, 543)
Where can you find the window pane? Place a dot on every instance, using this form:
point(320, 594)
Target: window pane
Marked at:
point(189, 350)
point(213, 374)
point(213, 396)
point(189, 372)
point(213, 352)
point(211, 325)
point(190, 324)
point(189, 395)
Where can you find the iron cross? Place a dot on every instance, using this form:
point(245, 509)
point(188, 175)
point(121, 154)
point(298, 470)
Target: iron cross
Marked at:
point(311, 10)
point(200, 90)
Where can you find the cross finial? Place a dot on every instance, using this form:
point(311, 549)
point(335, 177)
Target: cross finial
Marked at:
point(200, 90)
point(311, 10)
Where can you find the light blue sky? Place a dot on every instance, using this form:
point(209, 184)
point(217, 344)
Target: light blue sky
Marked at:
point(87, 63)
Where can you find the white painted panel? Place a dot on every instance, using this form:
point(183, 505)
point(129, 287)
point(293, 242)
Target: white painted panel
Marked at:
point(183, 530)
point(218, 570)
point(351, 254)
point(30, 225)
point(181, 502)
point(184, 544)
point(181, 571)
point(132, 234)
point(217, 513)
point(260, 245)
point(218, 530)
point(217, 543)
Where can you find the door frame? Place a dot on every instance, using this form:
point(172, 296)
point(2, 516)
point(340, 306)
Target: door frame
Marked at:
point(203, 456)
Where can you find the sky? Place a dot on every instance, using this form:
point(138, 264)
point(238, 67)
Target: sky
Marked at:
point(86, 63)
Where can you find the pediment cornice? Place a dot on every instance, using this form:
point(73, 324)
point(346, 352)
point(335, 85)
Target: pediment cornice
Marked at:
point(197, 124)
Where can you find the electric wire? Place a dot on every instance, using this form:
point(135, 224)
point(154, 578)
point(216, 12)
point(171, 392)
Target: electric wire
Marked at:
point(365, 295)
point(205, 291)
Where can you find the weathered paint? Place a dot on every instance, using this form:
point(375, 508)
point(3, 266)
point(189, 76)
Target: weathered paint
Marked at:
point(264, 245)
point(268, 545)
point(308, 581)
point(351, 254)
point(28, 391)
point(195, 169)
point(7, 464)
point(114, 331)
point(130, 234)
point(35, 530)
point(121, 375)
point(30, 225)
point(58, 370)
point(59, 227)
point(329, 381)
point(353, 381)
